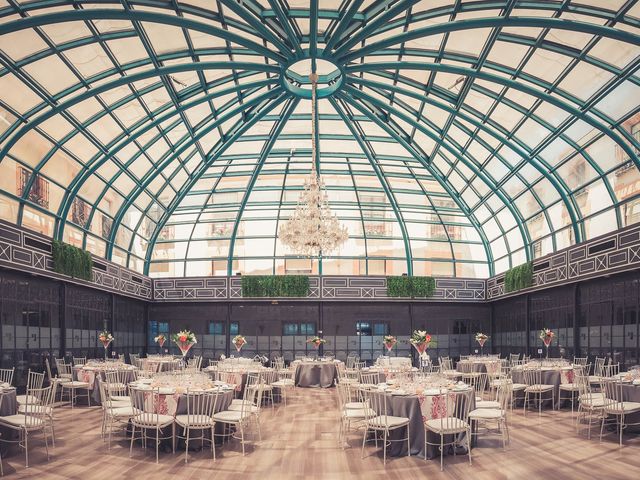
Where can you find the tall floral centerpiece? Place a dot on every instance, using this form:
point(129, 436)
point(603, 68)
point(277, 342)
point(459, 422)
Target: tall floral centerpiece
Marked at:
point(160, 339)
point(420, 339)
point(546, 335)
point(105, 339)
point(316, 341)
point(389, 342)
point(239, 342)
point(185, 339)
point(481, 338)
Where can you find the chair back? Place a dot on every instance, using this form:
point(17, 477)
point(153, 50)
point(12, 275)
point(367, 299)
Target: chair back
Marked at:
point(580, 361)
point(344, 396)
point(252, 394)
point(610, 370)
point(79, 360)
point(377, 407)
point(504, 392)
point(48, 365)
point(478, 382)
point(598, 364)
point(514, 357)
point(351, 361)
point(6, 375)
point(36, 399)
point(201, 405)
point(533, 375)
point(35, 380)
point(613, 394)
point(370, 378)
point(116, 381)
point(147, 403)
point(213, 363)
point(450, 407)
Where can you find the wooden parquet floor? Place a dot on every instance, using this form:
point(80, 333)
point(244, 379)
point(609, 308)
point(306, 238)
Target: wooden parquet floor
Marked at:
point(300, 442)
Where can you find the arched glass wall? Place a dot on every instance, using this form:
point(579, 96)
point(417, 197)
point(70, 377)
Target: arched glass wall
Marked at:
point(464, 137)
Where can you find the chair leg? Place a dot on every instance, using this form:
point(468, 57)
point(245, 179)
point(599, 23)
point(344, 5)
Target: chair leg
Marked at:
point(408, 442)
point(186, 447)
point(364, 439)
point(242, 437)
point(384, 448)
point(442, 452)
point(26, 449)
point(133, 436)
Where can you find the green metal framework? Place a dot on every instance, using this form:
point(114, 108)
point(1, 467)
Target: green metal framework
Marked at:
point(458, 138)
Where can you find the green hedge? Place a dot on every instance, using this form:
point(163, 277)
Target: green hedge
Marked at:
point(410, 286)
point(275, 286)
point(518, 277)
point(72, 261)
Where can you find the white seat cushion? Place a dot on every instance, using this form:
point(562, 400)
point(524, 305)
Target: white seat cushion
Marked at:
point(486, 414)
point(358, 413)
point(355, 405)
point(194, 421)
point(120, 398)
point(123, 411)
point(230, 416)
point(446, 425)
point(485, 404)
point(75, 384)
point(151, 421)
point(247, 408)
point(569, 387)
point(35, 409)
point(388, 421)
point(22, 421)
point(31, 400)
point(287, 382)
point(519, 386)
point(538, 388)
point(623, 407)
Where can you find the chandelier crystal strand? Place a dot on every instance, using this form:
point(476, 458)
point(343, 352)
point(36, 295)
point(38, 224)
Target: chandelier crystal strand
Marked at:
point(312, 229)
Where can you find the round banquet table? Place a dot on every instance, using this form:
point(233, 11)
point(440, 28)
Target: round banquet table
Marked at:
point(173, 403)
point(418, 408)
point(93, 376)
point(550, 376)
point(315, 374)
point(236, 376)
point(8, 406)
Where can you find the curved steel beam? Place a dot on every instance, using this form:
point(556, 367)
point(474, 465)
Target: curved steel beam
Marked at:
point(344, 55)
point(91, 167)
point(483, 127)
point(151, 175)
point(63, 106)
point(421, 158)
point(264, 154)
point(381, 178)
point(139, 16)
point(519, 220)
point(364, 67)
point(242, 126)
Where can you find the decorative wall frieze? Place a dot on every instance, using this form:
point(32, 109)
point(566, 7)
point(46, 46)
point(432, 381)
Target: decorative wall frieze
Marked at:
point(31, 252)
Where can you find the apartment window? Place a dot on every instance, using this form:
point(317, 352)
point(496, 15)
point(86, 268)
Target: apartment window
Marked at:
point(39, 193)
point(79, 212)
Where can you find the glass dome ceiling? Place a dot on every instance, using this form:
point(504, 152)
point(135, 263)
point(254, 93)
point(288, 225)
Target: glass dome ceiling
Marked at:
point(457, 138)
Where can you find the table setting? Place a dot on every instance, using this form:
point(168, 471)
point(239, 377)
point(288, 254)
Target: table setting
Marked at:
point(420, 399)
point(93, 373)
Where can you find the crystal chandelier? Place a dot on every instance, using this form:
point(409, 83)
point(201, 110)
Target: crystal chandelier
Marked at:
point(312, 229)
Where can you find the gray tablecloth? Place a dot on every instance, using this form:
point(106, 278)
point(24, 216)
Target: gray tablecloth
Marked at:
point(317, 374)
point(631, 393)
point(409, 407)
point(549, 377)
point(8, 406)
